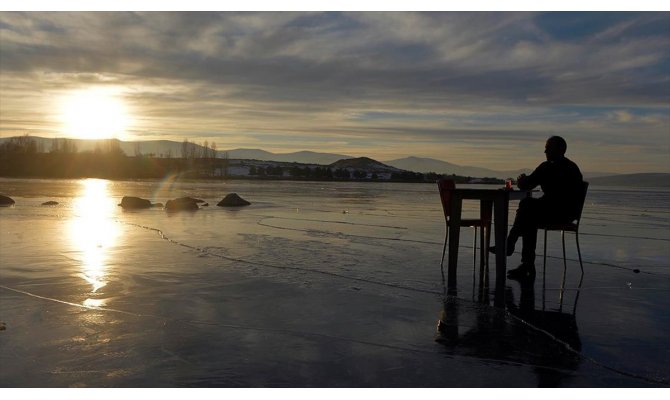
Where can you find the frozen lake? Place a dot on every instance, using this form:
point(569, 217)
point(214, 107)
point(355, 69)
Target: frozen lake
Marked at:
point(317, 284)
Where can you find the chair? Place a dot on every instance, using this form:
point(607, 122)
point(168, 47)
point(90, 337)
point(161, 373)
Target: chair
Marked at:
point(567, 227)
point(446, 186)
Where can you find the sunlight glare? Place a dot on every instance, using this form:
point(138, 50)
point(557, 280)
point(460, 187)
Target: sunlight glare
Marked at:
point(93, 114)
point(92, 231)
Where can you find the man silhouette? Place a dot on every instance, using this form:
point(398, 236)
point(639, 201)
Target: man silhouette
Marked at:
point(561, 182)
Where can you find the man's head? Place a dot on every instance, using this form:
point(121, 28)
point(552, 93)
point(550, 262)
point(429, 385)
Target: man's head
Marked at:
point(555, 148)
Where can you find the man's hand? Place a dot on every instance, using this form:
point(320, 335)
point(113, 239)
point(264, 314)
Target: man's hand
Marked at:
point(520, 180)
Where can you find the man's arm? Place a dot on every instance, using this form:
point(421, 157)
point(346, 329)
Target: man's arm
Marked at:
point(529, 182)
point(522, 182)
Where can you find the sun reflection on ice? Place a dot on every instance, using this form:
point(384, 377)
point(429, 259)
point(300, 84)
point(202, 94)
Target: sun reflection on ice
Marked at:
point(94, 302)
point(92, 231)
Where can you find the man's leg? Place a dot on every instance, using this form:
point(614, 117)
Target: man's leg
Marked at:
point(525, 226)
point(529, 242)
point(525, 215)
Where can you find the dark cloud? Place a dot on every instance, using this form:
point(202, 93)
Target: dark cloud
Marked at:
point(438, 73)
point(308, 55)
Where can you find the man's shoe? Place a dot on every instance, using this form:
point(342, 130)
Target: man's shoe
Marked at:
point(524, 271)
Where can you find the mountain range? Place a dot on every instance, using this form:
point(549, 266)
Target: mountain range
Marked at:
point(418, 164)
point(164, 148)
point(303, 157)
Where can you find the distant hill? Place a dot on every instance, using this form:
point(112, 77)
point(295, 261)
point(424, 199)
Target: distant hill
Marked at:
point(364, 163)
point(248, 154)
point(633, 180)
point(303, 157)
point(424, 165)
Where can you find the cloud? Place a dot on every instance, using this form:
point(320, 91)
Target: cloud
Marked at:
point(498, 54)
point(358, 78)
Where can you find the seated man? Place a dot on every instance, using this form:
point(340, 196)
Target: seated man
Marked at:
point(561, 182)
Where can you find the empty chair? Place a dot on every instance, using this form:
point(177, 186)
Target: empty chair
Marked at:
point(446, 186)
point(567, 227)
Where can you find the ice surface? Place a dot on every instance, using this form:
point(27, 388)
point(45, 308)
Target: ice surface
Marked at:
point(317, 284)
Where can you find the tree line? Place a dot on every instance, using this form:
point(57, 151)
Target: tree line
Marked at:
point(23, 157)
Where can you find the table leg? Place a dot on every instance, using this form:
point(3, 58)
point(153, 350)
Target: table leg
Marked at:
point(454, 232)
point(485, 214)
point(501, 210)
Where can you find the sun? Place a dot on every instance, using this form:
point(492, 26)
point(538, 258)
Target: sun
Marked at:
point(93, 114)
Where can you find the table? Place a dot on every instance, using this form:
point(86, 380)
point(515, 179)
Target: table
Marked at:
point(499, 199)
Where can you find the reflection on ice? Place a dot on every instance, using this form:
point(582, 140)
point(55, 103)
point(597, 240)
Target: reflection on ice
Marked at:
point(94, 302)
point(293, 292)
point(547, 339)
point(92, 231)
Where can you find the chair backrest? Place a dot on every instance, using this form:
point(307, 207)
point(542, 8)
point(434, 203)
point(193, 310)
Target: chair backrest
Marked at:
point(445, 186)
point(585, 188)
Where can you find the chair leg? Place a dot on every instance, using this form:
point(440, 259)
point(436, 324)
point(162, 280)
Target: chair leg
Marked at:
point(483, 249)
point(565, 270)
point(474, 249)
point(544, 271)
point(474, 261)
point(579, 252)
point(444, 249)
point(488, 255)
point(544, 263)
point(579, 288)
point(565, 263)
point(487, 238)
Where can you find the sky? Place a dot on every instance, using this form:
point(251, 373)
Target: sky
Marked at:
point(482, 89)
